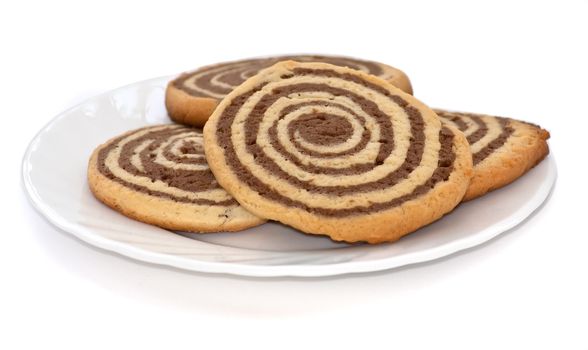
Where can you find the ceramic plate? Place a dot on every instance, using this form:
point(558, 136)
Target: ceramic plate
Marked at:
point(54, 171)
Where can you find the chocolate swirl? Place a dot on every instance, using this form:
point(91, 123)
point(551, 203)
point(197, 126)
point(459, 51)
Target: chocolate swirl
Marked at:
point(331, 143)
point(484, 134)
point(216, 81)
point(165, 161)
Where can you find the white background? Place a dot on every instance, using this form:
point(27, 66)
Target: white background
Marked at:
point(527, 289)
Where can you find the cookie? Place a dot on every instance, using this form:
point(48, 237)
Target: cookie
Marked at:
point(159, 175)
point(334, 151)
point(191, 98)
point(503, 149)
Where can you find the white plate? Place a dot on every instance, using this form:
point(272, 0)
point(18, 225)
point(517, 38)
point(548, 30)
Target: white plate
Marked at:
point(54, 171)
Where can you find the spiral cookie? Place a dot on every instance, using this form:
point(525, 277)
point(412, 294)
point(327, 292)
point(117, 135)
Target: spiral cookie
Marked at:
point(334, 151)
point(159, 175)
point(191, 98)
point(502, 149)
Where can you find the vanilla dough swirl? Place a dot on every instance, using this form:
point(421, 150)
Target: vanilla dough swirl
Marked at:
point(217, 81)
point(159, 175)
point(503, 149)
point(192, 97)
point(331, 150)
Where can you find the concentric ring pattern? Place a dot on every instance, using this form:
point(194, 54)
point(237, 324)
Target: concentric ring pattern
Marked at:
point(166, 161)
point(216, 81)
point(502, 149)
point(484, 134)
point(331, 143)
point(159, 175)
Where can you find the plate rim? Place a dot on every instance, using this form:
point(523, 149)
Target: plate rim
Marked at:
point(288, 270)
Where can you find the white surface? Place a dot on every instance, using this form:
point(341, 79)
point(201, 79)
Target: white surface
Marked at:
point(524, 290)
point(270, 250)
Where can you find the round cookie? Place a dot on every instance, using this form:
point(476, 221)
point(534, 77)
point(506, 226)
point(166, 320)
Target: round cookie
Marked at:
point(192, 97)
point(334, 151)
point(159, 175)
point(502, 149)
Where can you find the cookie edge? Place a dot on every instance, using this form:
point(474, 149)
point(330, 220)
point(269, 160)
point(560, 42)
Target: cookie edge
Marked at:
point(186, 109)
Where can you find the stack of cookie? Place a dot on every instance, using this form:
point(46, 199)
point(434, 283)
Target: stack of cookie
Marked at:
point(328, 145)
